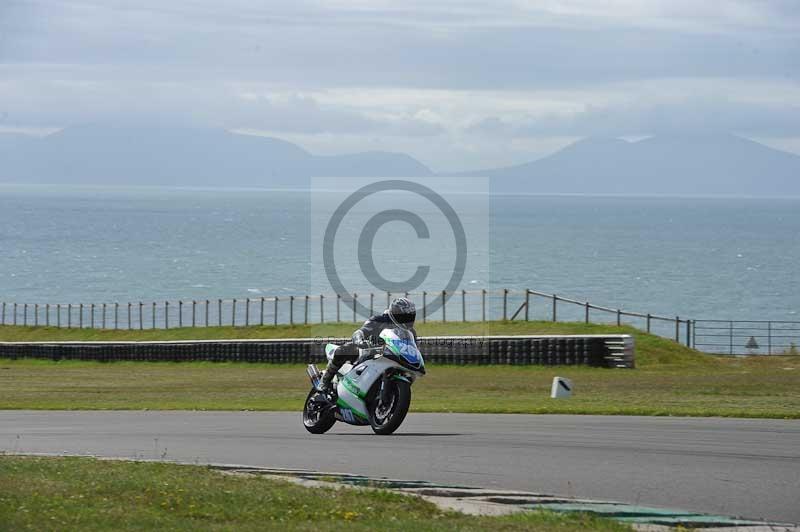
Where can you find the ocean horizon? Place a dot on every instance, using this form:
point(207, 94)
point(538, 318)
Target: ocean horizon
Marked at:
point(702, 257)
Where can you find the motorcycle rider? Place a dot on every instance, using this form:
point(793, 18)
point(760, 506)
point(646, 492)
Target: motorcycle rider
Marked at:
point(401, 312)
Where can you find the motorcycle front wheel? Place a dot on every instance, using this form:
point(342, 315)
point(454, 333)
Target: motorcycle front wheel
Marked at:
point(318, 418)
point(386, 418)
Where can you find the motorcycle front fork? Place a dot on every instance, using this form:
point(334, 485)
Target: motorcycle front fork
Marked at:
point(384, 392)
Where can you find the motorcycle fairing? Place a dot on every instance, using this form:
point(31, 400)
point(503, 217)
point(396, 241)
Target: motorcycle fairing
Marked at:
point(330, 350)
point(401, 347)
point(356, 382)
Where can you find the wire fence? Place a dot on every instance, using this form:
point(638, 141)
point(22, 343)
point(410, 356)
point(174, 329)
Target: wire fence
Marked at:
point(729, 337)
point(713, 336)
point(462, 305)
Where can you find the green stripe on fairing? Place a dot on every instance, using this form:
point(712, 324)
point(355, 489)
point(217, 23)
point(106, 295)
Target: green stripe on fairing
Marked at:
point(352, 388)
point(393, 348)
point(343, 404)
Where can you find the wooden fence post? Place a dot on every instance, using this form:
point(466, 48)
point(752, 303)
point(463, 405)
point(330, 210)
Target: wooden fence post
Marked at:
point(527, 304)
point(688, 333)
point(769, 336)
point(730, 336)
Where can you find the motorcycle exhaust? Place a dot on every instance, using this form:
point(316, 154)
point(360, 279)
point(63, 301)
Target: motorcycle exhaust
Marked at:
point(314, 374)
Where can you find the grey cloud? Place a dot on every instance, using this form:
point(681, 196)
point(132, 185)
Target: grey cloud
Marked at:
point(329, 47)
point(39, 102)
point(188, 62)
point(646, 118)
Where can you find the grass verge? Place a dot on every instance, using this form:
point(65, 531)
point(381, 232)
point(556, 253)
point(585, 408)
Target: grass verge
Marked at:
point(88, 494)
point(670, 379)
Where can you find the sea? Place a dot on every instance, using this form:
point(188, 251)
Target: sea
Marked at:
point(697, 257)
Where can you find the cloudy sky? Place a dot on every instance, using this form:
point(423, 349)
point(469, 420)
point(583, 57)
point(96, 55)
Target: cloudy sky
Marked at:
point(457, 84)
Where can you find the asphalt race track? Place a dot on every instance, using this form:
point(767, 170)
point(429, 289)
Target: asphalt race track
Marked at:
point(747, 468)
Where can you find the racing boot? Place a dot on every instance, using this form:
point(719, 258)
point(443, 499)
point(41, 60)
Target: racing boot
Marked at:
point(326, 383)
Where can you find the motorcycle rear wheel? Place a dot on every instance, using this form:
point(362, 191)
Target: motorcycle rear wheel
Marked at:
point(317, 417)
point(386, 418)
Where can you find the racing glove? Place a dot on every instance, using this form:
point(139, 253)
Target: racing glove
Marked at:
point(359, 340)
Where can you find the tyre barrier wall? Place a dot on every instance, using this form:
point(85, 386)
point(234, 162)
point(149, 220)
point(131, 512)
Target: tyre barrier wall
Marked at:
point(613, 351)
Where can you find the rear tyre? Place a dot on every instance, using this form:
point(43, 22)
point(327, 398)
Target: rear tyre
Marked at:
point(318, 417)
point(386, 418)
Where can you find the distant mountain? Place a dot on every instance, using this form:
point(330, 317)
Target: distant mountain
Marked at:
point(710, 164)
point(184, 157)
point(706, 164)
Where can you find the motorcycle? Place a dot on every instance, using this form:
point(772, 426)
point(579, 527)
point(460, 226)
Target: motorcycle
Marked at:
point(375, 390)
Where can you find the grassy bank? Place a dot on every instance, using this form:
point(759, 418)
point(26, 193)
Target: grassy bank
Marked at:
point(87, 494)
point(13, 333)
point(670, 379)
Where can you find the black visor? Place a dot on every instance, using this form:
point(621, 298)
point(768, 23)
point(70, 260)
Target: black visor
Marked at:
point(405, 318)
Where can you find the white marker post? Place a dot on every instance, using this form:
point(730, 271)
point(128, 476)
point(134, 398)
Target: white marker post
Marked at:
point(561, 389)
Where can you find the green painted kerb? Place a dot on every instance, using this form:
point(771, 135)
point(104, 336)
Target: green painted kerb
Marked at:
point(644, 514)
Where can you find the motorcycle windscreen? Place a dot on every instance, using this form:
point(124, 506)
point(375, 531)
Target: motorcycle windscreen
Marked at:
point(400, 342)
